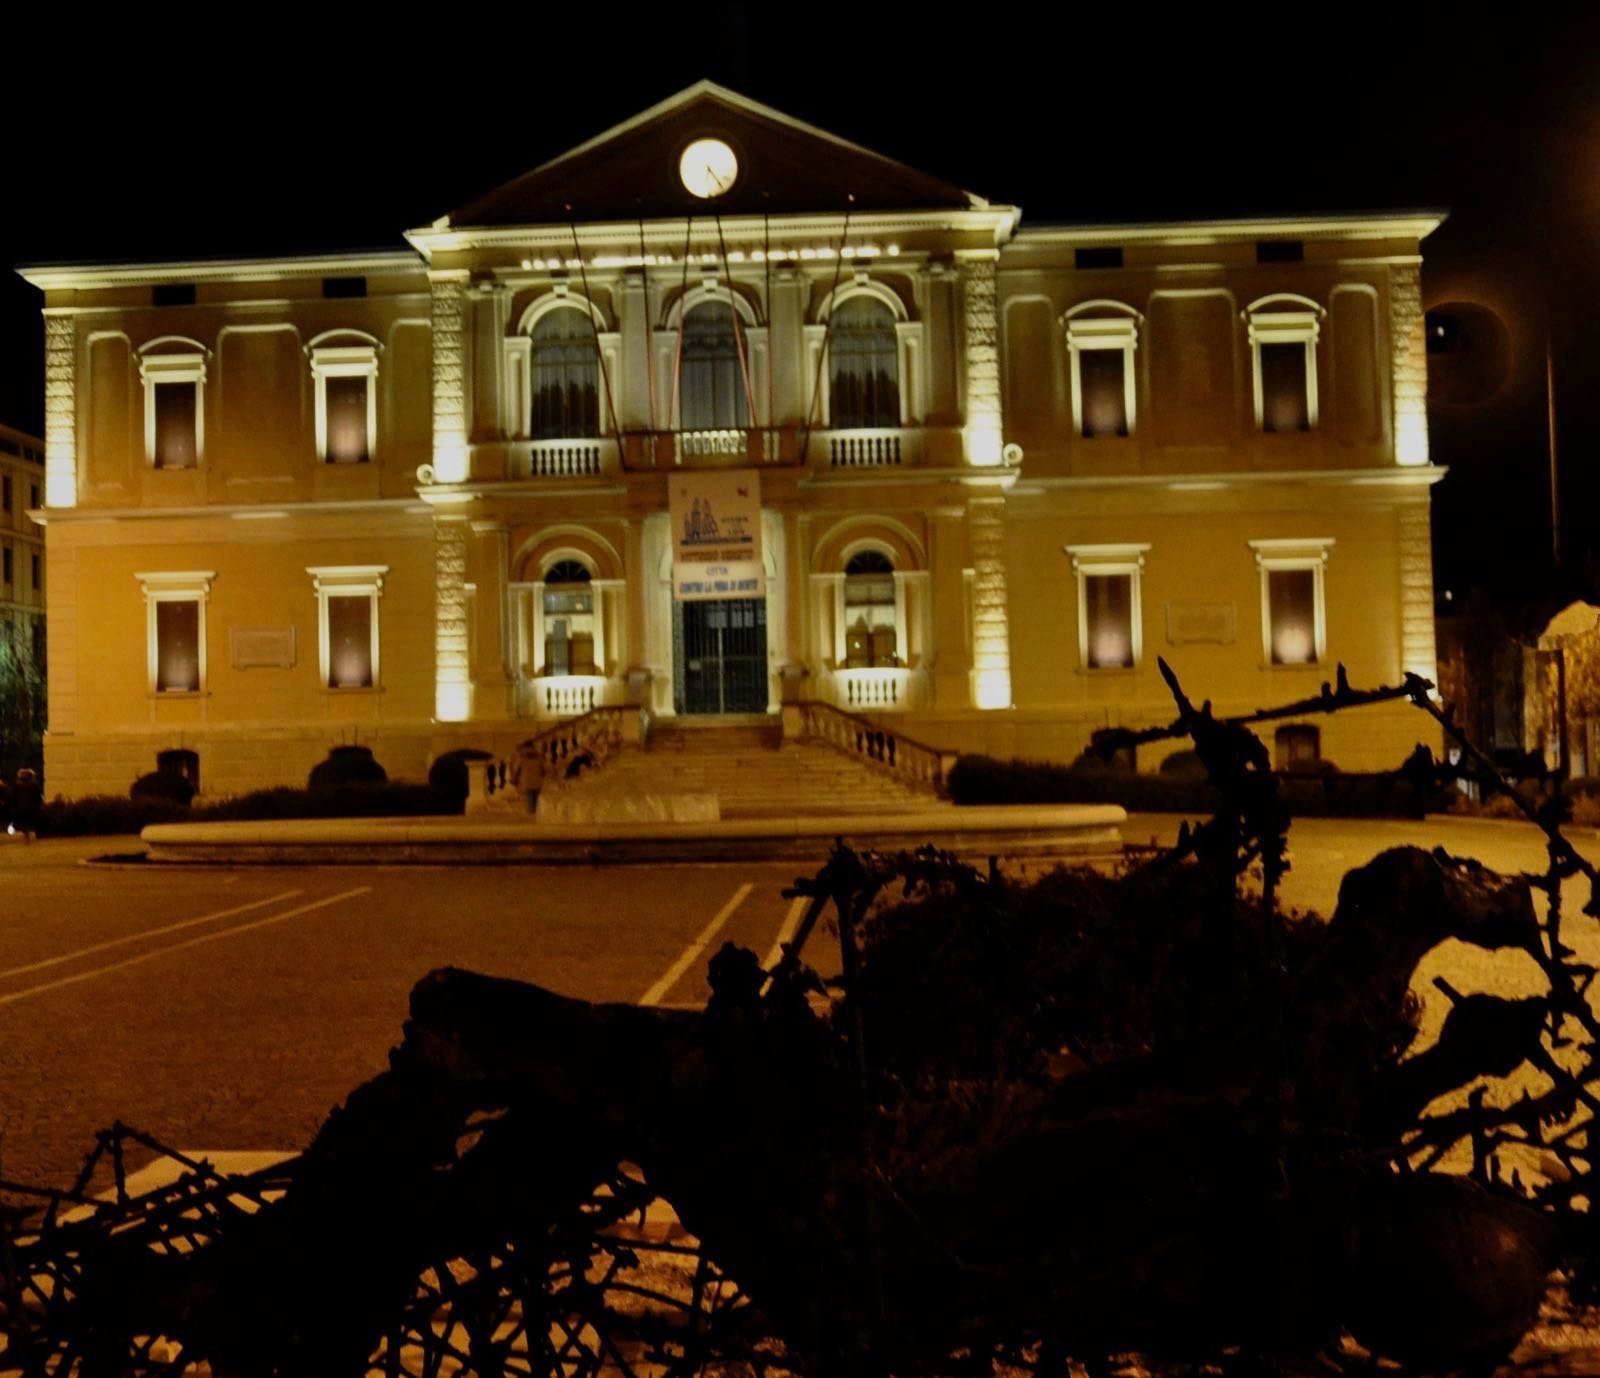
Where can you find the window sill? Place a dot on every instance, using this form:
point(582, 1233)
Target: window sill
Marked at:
point(336, 691)
point(162, 695)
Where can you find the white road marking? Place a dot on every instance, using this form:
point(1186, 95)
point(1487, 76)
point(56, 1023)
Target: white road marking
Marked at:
point(691, 954)
point(791, 921)
point(179, 947)
point(147, 933)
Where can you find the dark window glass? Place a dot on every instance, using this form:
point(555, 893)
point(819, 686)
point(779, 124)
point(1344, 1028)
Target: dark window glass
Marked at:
point(1283, 388)
point(711, 393)
point(1297, 746)
point(344, 287)
point(568, 620)
point(10, 446)
point(177, 646)
point(175, 425)
point(33, 495)
point(33, 562)
point(864, 351)
point(350, 641)
point(173, 294)
point(566, 398)
point(1109, 599)
point(1280, 251)
point(1102, 382)
point(1104, 256)
point(5, 493)
point(39, 644)
point(1292, 605)
point(5, 565)
point(348, 442)
point(869, 610)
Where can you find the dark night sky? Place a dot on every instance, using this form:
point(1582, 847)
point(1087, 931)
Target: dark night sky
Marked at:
point(1226, 111)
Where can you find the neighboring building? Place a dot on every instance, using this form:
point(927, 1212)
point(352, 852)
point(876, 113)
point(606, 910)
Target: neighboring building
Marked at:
point(22, 546)
point(428, 499)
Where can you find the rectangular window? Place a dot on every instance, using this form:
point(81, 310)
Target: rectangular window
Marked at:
point(1109, 599)
point(347, 623)
point(1292, 614)
point(175, 436)
point(1284, 400)
point(38, 643)
point(350, 641)
point(177, 646)
point(344, 288)
point(5, 565)
point(172, 294)
point(5, 493)
point(33, 495)
point(1110, 613)
point(38, 581)
point(1105, 256)
point(1103, 380)
point(348, 442)
point(1280, 251)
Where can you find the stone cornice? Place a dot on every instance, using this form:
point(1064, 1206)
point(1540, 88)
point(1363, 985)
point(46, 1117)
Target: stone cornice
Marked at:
point(1416, 224)
point(1416, 476)
point(89, 276)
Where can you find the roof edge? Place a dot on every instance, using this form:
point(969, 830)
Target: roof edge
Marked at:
point(1353, 225)
point(52, 276)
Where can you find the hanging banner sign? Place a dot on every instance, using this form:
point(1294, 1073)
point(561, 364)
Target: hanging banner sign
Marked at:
point(716, 534)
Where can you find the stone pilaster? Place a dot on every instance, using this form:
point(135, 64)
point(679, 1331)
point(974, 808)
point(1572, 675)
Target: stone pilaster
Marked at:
point(1417, 651)
point(60, 411)
point(452, 674)
point(991, 630)
point(1409, 342)
point(981, 360)
point(449, 376)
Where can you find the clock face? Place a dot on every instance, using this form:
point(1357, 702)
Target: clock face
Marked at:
point(708, 168)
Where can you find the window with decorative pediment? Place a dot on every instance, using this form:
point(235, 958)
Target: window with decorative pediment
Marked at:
point(1294, 620)
point(347, 623)
point(1110, 606)
point(1283, 345)
point(175, 629)
point(864, 354)
point(1101, 339)
point(173, 371)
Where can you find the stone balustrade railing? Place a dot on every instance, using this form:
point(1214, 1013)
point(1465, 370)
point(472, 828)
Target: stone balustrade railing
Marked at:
point(864, 449)
point(578, 743)
point(564, 458)
point(921, 766)
point(874, 689)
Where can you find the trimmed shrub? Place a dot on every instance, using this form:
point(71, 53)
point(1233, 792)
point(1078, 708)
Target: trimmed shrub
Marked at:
point(448, 774)
point(101, 815)
point(347, 765)
point(1184, 765)
point(163, 784)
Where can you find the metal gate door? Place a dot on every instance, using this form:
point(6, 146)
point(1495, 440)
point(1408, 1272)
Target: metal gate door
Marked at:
point(720, 656)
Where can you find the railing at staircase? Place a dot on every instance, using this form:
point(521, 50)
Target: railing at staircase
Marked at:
point(579, 743)
point(883, 748)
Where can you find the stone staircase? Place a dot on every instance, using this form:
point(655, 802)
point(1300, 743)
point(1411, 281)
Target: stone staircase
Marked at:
point(750, 768)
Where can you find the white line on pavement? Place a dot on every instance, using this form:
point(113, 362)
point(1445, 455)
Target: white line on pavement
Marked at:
point(791, 921)
point(178, 947)
point(691, 953)
point(147, 933)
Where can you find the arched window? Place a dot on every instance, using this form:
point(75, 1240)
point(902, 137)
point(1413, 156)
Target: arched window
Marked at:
point(711, 392)
point(566, 397)
point(869, 610)
point(865, 354)
point(568, 620)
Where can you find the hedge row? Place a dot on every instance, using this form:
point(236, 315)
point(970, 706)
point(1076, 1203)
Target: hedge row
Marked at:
point(104, 814)
point(984, 780)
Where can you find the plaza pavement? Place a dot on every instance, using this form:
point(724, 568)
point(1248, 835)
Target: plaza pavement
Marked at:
point(230, 1009)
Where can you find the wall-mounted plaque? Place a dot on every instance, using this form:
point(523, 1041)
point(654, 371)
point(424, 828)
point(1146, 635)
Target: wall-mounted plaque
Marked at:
point(1198, 623)
point(256, 648)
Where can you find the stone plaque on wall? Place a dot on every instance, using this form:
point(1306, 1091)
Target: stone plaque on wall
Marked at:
point(257, 648)
point(1195, 623)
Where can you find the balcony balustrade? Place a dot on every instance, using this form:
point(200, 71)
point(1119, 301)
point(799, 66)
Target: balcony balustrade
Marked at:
point(864, 449)
point(873, 689)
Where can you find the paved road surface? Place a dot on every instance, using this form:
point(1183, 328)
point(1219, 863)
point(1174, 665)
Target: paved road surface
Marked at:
point(231, 1009)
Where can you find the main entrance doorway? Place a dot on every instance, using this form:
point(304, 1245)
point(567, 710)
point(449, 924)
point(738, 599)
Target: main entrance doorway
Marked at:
point(720, 656)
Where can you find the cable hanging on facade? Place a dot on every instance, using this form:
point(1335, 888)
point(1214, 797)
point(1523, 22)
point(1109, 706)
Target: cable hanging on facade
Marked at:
point(827, 330)
point(738, 327)
point(594, 326)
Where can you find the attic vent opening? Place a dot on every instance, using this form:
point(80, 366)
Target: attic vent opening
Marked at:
point(344, 287)
point(1102, 256)
point(1280, 251)
point(172, 294)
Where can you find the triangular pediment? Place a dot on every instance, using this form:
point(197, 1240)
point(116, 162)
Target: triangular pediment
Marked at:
point(785, 167)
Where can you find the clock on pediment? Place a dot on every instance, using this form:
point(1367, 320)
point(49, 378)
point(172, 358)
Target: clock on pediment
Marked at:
point(708, 168)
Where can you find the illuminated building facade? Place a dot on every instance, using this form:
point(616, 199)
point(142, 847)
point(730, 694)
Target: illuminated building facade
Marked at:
point(22, 553)
point(428, 498)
